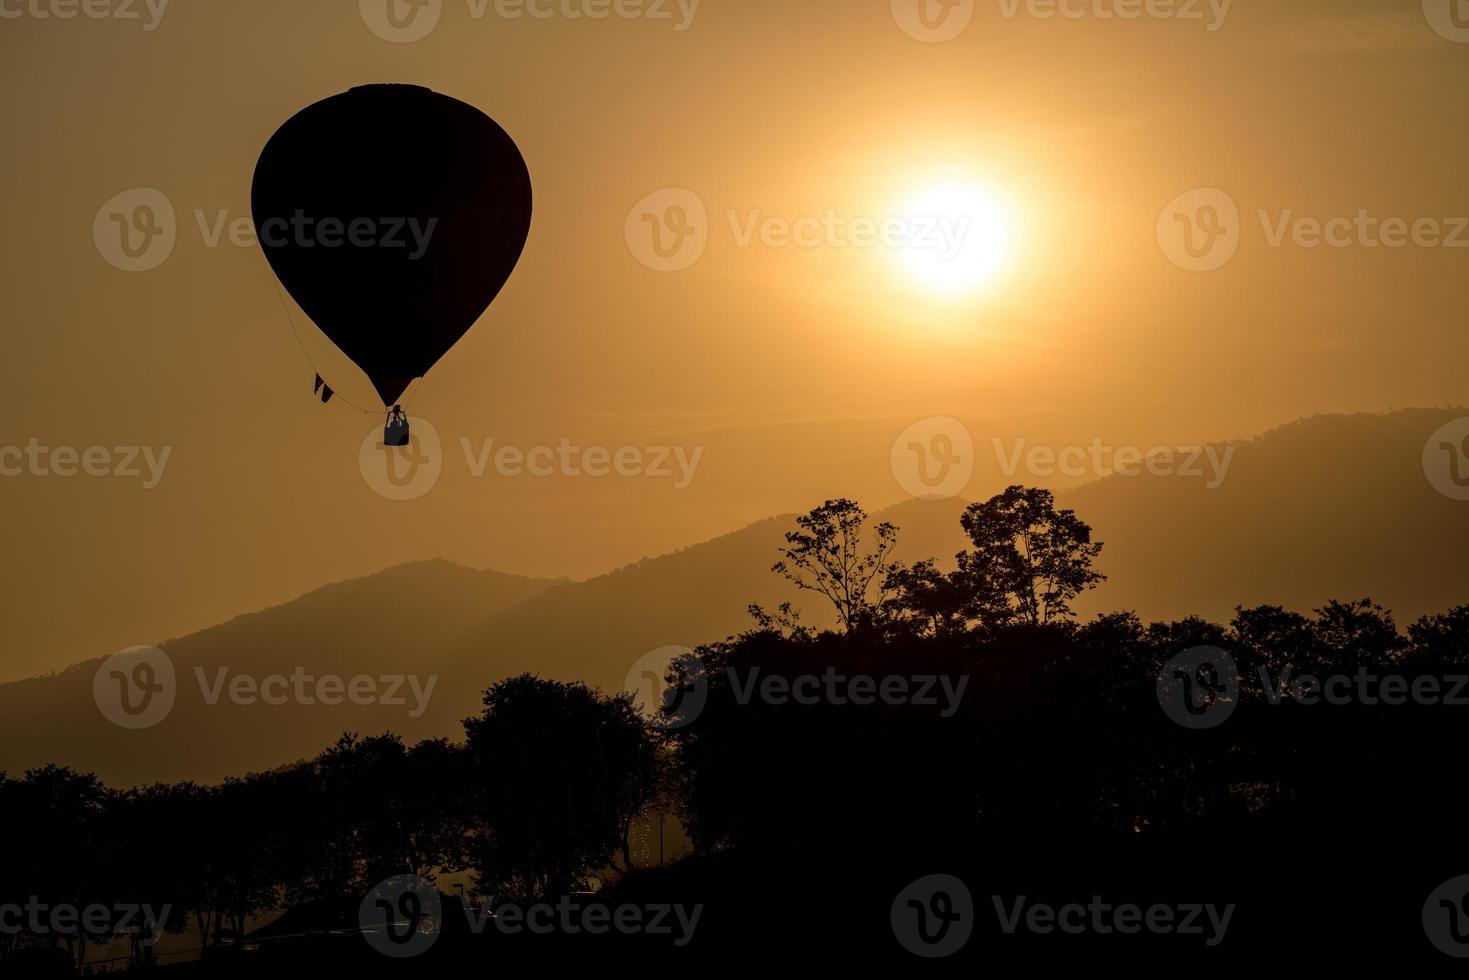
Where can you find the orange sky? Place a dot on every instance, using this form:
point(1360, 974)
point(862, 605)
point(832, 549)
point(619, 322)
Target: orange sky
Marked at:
point(787, 372)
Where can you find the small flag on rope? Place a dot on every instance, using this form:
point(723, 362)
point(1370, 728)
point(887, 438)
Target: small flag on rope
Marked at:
point(319, 383)
point(326, 393)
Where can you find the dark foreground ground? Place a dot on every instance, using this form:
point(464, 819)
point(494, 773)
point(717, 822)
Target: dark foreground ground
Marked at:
point(1297, 903)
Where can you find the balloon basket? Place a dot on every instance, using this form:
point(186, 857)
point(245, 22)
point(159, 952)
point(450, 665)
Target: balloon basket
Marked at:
point(396, 435)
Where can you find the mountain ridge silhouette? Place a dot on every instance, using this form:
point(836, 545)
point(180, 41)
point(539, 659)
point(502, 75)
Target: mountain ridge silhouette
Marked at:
point(1332, 506)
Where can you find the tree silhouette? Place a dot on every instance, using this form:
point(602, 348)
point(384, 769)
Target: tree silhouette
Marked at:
point(1352, 634)
point(1029, 560)
point(260, 833)
point(58, 813)
point(395, 809)
point(560, 772)
point(827, 554)
point(1056, 769)
point(1441, 640)
point(927, 602)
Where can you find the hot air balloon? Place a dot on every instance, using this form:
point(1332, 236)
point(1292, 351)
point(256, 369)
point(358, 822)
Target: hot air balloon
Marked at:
point(393, 215)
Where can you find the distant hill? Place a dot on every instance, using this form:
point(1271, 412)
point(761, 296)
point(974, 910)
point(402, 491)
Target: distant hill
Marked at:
point(465, 627)
point(1328, 507)
point(396, 622)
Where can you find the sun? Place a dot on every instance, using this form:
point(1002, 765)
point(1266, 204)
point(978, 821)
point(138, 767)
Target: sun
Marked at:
point(958, 238)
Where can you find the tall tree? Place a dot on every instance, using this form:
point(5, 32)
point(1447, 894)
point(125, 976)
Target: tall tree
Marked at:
point(1029, 560)
point(829, 554)
point(561, 770)
point(1355, 634)
point(55, 823)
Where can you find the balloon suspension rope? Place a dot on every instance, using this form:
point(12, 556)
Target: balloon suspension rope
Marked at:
point(286, 306)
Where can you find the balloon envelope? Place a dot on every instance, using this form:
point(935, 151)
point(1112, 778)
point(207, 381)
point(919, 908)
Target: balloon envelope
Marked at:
point(394, 216)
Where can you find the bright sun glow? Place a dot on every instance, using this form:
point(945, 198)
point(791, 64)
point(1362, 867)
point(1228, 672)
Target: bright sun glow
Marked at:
point(959, 238)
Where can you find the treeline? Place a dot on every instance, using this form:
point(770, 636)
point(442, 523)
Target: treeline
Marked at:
point(541, 793)
point(956, 712)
